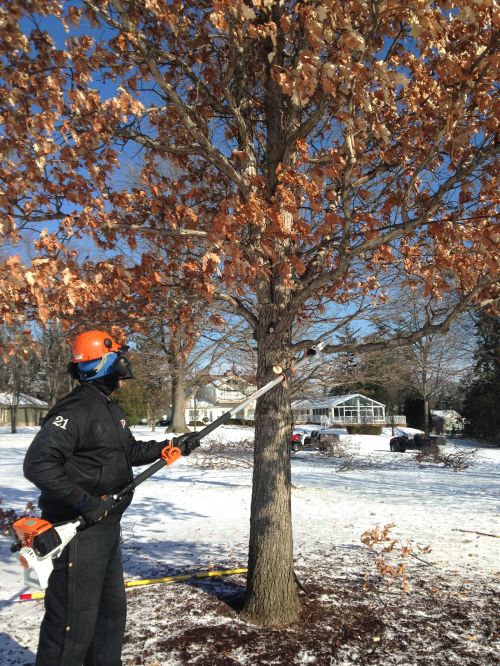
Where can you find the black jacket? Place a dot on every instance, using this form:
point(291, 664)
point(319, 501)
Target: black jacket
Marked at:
point(84, 447)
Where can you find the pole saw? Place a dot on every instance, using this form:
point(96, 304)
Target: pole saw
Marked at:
point(39, 542)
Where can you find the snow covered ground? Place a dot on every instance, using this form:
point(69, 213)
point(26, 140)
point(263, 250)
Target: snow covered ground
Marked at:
point(194, 516)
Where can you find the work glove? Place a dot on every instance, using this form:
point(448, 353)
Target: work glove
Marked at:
point(187, 443)
point(94, 509)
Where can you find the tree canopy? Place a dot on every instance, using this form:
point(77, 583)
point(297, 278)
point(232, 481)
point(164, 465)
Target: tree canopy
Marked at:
point(327, 137)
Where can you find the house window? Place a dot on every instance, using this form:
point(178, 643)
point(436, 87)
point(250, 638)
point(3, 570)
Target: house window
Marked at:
point(320, 411)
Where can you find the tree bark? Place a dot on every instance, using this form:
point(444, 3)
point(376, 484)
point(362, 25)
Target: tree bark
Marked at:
point(427, 424)
point(272, 597)
point(13, 419)
point(178, 403)
point(272, 593)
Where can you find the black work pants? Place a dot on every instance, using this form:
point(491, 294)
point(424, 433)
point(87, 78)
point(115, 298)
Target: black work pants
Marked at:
point(85, 605)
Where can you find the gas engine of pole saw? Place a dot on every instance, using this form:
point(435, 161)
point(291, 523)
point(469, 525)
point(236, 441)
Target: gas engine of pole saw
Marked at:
point(38, 543)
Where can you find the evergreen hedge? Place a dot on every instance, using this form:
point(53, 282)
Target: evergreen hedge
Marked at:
point(364, 429)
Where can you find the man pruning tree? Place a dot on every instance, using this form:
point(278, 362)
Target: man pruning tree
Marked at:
point(82, 455)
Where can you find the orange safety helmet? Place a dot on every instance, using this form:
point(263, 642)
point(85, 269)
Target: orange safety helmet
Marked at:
point(92, 345)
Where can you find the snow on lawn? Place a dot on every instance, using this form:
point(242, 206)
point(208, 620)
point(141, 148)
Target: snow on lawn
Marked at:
point(195, 516)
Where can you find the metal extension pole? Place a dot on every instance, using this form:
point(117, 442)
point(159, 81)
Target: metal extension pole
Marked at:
point(198, 436)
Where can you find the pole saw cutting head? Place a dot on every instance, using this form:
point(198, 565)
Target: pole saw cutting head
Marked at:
point(38, 542)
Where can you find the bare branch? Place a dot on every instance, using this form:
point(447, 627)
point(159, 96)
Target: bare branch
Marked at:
point(184, 233)
point(239, 308)
point(399, 341)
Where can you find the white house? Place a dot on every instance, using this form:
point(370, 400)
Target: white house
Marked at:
point(218, 397)
point(341, 409)
point(30, 411)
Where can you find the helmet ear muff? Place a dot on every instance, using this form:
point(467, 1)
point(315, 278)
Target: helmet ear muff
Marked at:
point(123, 368)
point(73, 370)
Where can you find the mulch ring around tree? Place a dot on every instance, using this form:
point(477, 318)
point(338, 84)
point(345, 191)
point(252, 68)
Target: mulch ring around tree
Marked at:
point(345, 619)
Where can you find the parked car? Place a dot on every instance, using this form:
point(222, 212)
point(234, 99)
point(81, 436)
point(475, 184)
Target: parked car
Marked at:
point(404, 441)
point(399, 443)
point(323, 441)
point(163, 422)
point(304, 439)
point(299, 439)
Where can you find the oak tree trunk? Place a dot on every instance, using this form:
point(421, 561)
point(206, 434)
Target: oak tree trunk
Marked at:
point(272, 594)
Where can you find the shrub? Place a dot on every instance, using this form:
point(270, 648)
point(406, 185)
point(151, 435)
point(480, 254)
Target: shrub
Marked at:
point(332, 447)
point(131, 397)
point(226, 455)
point(364, 429)
point(242, 422)
point(457, 460)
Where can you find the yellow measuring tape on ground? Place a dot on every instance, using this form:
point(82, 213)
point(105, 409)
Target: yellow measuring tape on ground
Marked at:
point(155, 581)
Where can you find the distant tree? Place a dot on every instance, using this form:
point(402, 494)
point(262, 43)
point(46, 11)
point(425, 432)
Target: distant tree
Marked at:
point(414, 409)
point(183, 351)
point(377, 373)
point(385, 376)
point(53, 350)
point(346, 364)
point(152, 385)
point(131, 396)
point(425, 367)
point(20, 370)
point(482, 397)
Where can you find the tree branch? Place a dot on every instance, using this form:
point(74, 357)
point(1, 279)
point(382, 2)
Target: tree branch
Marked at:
point(399, 341)
point(238, 308)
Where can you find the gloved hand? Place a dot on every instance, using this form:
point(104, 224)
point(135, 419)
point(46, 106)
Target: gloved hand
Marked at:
point(94, 509)
point(187, 443)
